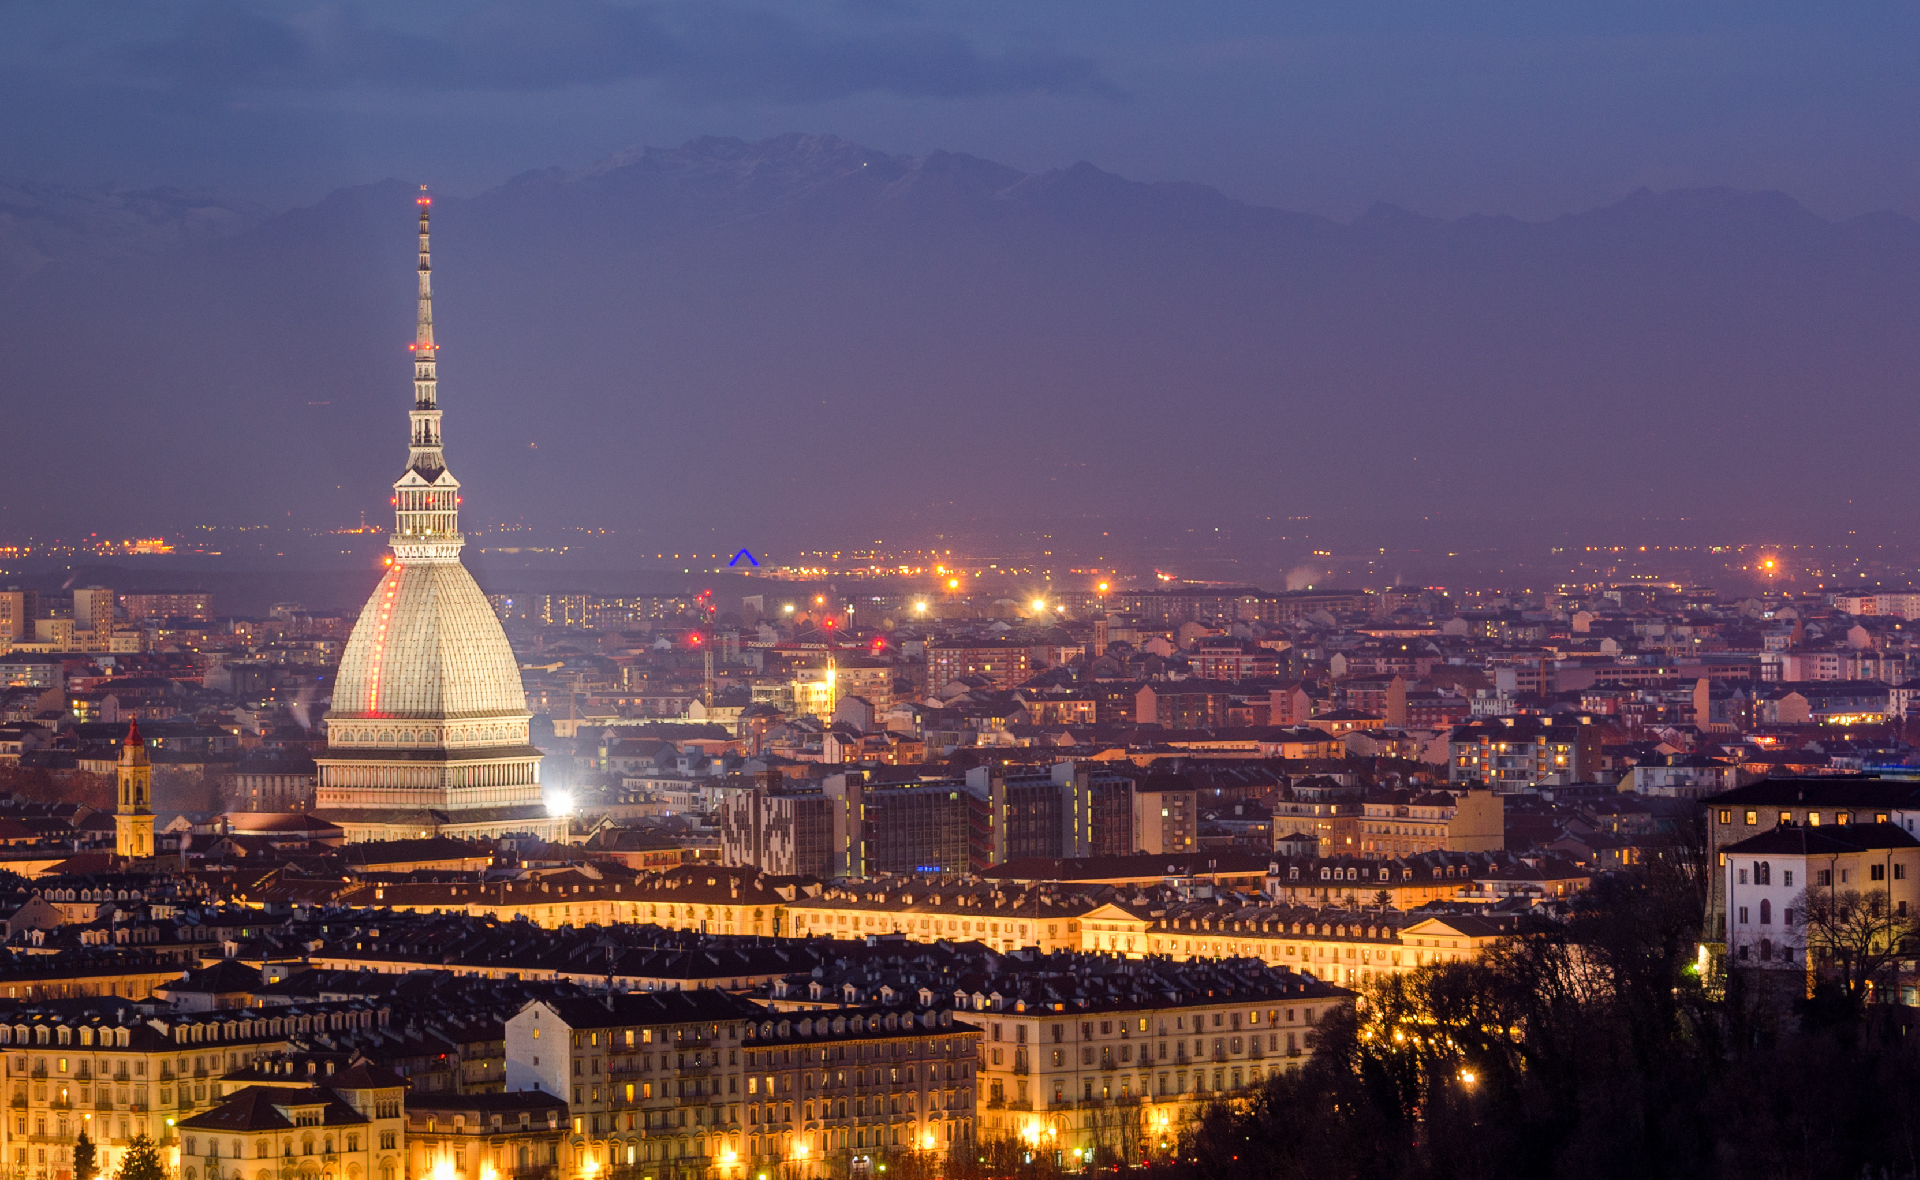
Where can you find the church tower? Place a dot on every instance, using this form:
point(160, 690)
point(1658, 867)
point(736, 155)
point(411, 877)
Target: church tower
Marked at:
point(133, 815)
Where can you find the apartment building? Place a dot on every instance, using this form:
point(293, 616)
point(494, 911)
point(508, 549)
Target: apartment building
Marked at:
point(346, 1124)
point(678, 1084)
point(118, 1075)
point(1340, 946)
point(1511, 754)
point(1766, 876)
point(1402, 822)
point(485, 1136)
point(704, 898)
point(1745, 812)
point(1100, 1061)
point(1005, 919)
point(1003, 663)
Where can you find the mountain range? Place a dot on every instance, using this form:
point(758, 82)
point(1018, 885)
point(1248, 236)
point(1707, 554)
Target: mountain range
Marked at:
point(803, 340)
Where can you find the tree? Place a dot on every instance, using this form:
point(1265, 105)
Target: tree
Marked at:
point(85, 1167)
point(1854, 936)
point(142, 1161)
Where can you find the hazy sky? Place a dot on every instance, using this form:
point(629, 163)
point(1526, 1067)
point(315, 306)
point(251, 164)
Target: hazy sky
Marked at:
point(1529, 107)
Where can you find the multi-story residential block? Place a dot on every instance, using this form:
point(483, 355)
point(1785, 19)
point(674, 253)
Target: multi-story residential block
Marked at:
point(18, 610)
point(1183, 704)
point(659, 1072)
point(869, 679)
point(833, 1093)
point(93, 612)
point(1003, 664)
point(1744, 812)
point(915, 827)
point(1095, 1061)
point(1682, 776)
point(1397, 823)
point(1765, 876)
point(704, 898)
point(514, 1134)
point(1005, 919)
point(1514, 753)
point(1046, 813)
point(121, 1075)
point(187, 605)
point(788, 832)
point(681, 1084)
point(345, 1124)
point(1232, 659)
point(1166, 816)
point(1290, 606)
point(1343, 946)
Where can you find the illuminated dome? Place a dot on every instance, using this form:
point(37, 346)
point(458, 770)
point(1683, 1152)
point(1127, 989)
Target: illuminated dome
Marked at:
point(428, 646)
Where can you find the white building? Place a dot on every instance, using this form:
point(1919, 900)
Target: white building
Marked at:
point(1768, 878)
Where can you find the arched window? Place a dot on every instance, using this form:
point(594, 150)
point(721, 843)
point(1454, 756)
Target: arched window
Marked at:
point(1762, 873)
point(1766, 949)
point(1766, 914)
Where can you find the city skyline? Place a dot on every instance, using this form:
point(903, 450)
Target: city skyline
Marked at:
point(1034, 591)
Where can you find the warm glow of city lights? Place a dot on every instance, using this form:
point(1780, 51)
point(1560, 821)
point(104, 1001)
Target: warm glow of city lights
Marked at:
point(1039, 604)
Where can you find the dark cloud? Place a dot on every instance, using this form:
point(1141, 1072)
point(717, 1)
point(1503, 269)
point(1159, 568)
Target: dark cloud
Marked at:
point(701, 51)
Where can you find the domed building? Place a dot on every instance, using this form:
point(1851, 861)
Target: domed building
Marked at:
point(427, 734)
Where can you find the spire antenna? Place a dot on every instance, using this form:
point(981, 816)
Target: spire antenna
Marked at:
point(426, 497)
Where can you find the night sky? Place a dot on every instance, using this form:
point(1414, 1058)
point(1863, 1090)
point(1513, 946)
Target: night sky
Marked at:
point(1528, 108)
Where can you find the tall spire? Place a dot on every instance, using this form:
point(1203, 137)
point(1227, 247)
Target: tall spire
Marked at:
point(426, 497)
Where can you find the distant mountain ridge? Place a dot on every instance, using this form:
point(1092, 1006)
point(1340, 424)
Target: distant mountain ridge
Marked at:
point(43, 223)
point(731, 341)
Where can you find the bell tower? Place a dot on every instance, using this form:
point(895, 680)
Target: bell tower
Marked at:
point(133, 815)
